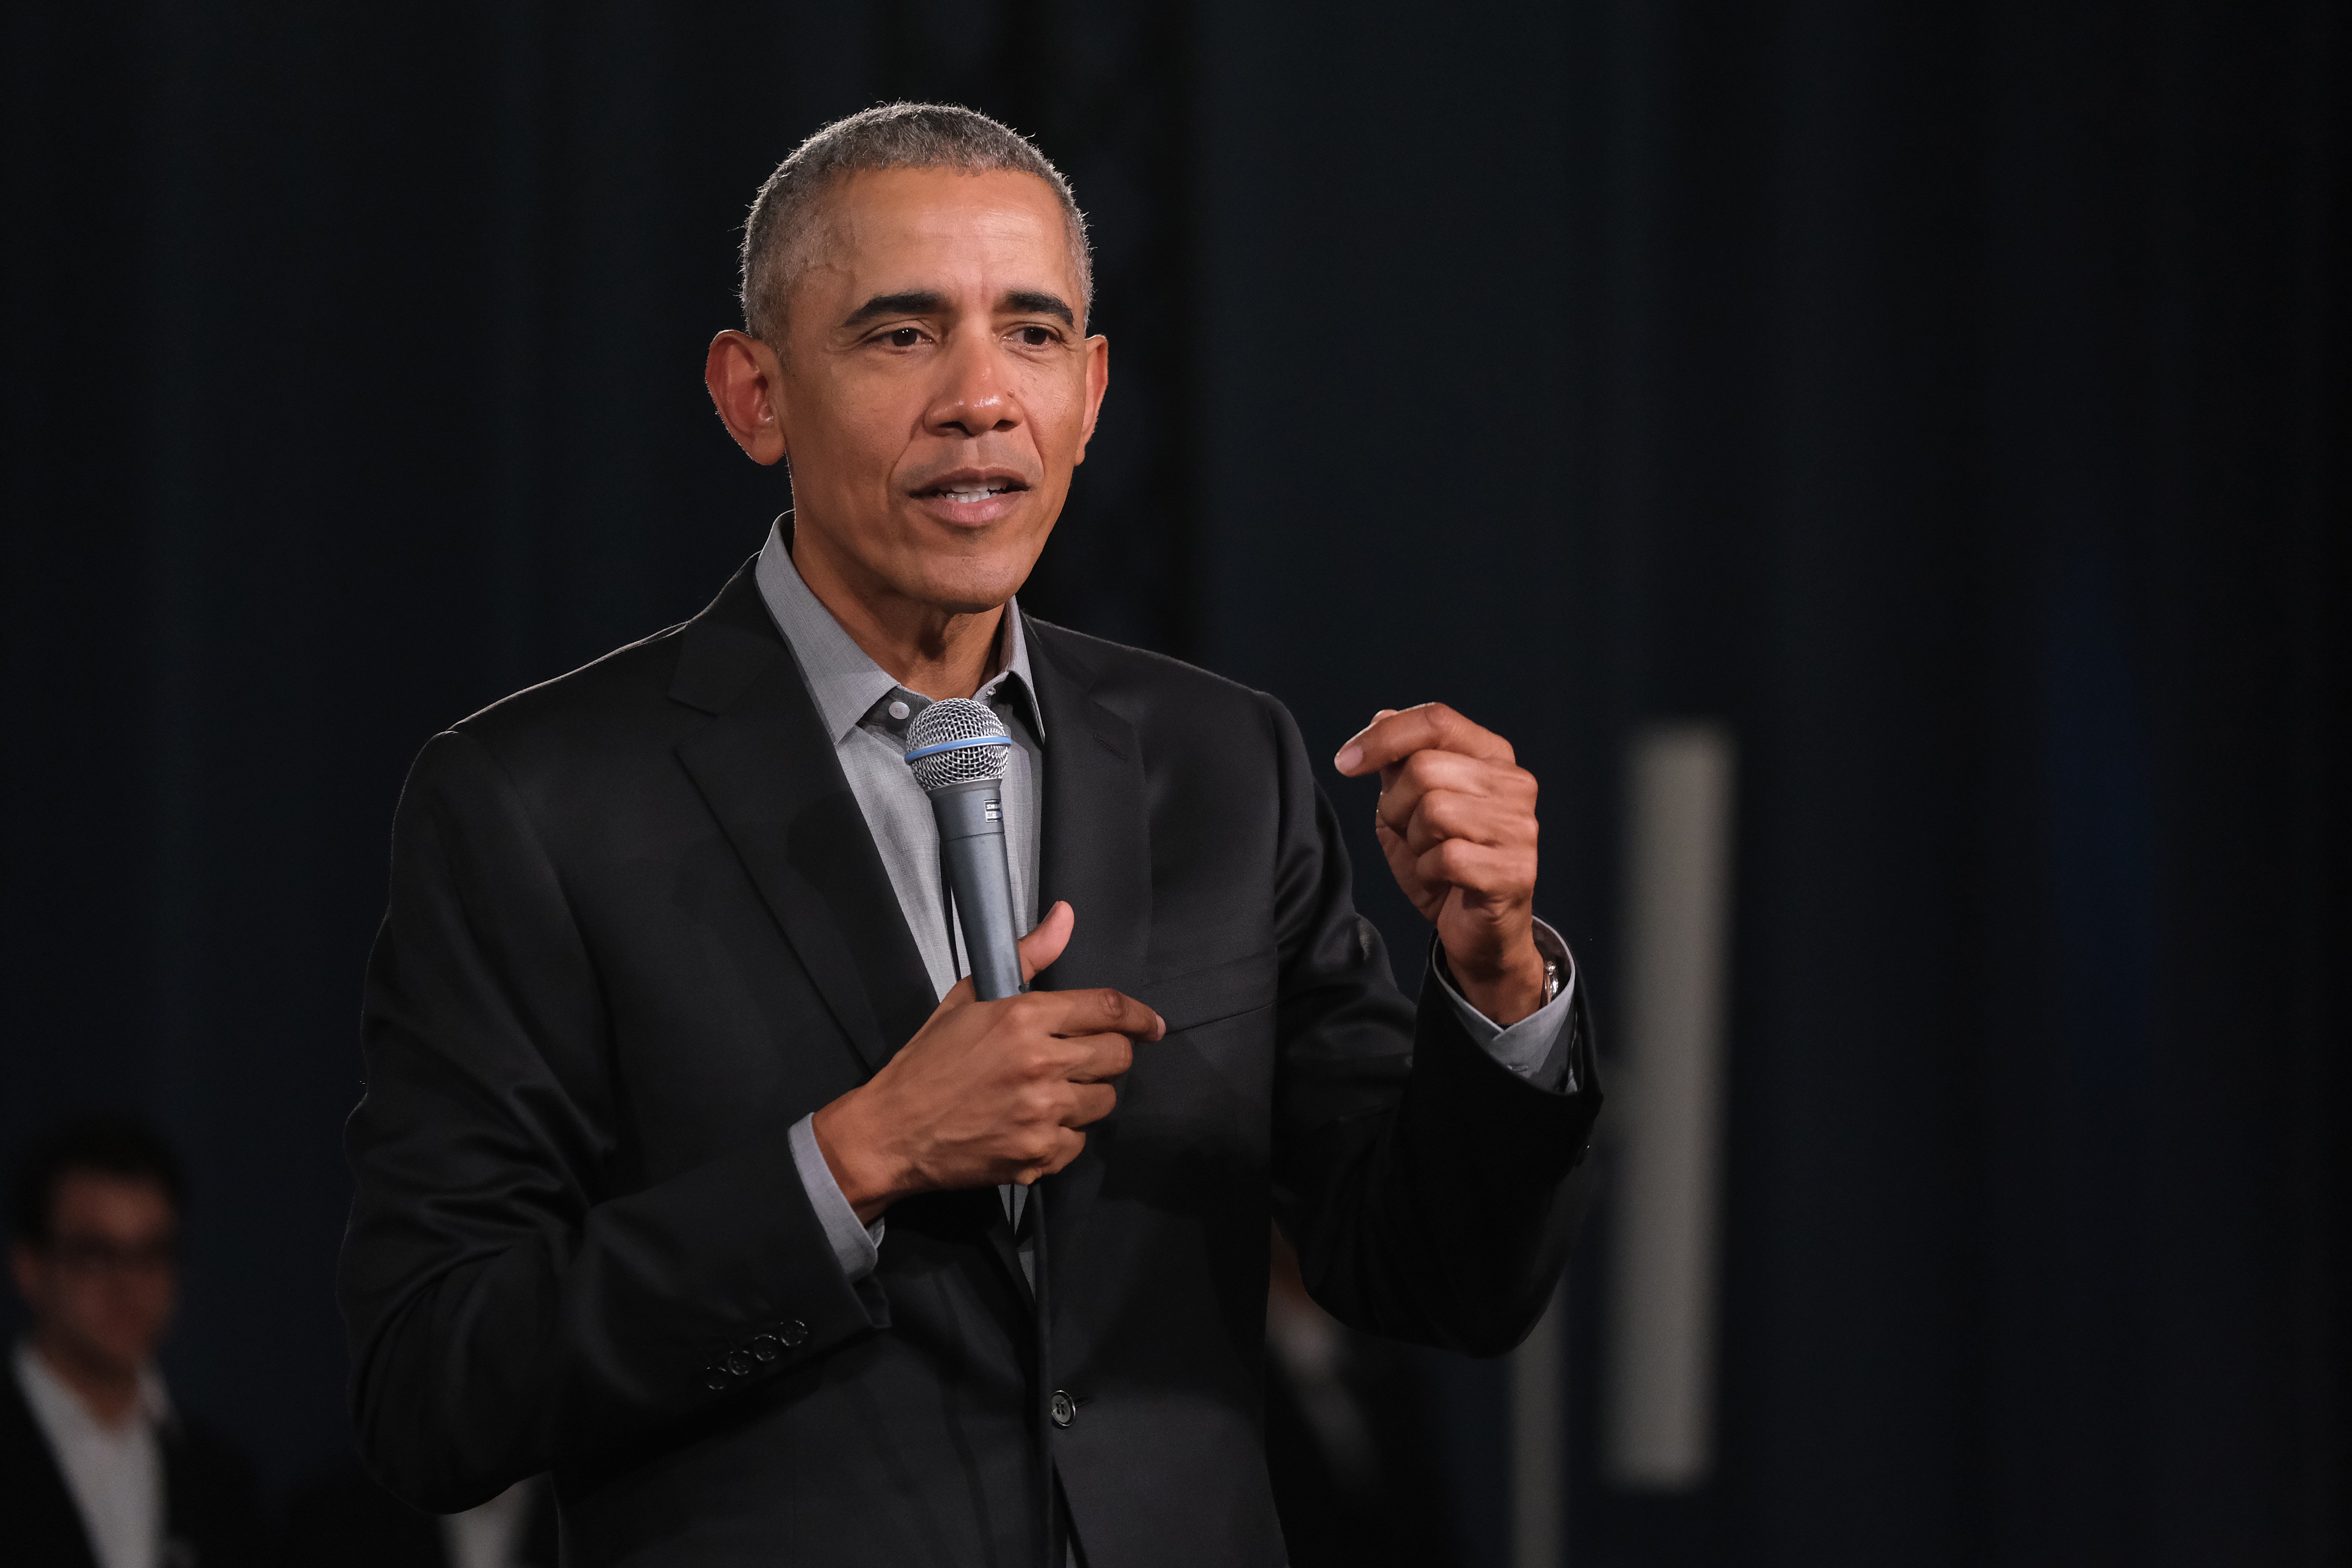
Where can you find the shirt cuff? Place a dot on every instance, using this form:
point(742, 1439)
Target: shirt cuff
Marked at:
point(857, 1247)
point(1525, 1048)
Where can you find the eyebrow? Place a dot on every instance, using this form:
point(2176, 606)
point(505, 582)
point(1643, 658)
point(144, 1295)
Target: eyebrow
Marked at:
point(1023, 302)
point(914, 303)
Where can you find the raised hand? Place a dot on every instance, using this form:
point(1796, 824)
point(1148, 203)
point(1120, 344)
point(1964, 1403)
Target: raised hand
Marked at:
point(986, 1092)
point(1457, 822)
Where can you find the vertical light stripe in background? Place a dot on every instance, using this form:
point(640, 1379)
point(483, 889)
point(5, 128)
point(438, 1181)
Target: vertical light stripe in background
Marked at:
point(1666, 1149)
point(1539, 1443)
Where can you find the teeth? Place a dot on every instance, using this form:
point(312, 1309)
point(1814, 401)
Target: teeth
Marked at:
point(977, 493)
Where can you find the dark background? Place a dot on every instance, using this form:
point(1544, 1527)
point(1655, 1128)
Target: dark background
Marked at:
point(1953, 399)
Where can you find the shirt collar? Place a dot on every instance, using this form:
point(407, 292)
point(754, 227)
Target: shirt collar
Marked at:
point(845, 683)
point(60, 1407)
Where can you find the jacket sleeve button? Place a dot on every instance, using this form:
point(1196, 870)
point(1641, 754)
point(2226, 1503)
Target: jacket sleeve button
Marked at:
point(765, 1347)
point(714, 1378)
point(1065, 1408)
point(739, 1364)
point(794, 1333)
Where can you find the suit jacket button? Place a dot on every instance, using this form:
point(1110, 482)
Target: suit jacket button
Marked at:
point(795, 1334)
point(765, 1347)
point(1065, 1408)
point(739, 1364)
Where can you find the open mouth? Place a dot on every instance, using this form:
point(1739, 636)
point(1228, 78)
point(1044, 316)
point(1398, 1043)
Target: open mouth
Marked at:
point(970, 488)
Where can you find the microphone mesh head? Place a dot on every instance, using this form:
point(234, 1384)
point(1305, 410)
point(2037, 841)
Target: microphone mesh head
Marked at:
point(982, 748)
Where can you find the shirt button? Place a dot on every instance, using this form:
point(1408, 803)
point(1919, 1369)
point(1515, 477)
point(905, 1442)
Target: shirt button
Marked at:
point(795, 1334)
point(1065, 1408)
point(897, 710)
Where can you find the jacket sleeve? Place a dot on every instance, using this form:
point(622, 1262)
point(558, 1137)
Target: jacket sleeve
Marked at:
point(1424, 1184)
point(511, 1306)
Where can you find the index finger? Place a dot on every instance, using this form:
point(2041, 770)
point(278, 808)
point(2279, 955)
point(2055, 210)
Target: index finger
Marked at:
point(1103, 1011)
point(1433, 726)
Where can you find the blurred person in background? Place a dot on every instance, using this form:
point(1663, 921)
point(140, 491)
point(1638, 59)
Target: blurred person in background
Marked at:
point(347, 1520)
point(1357, 1479)
point(98, 1468)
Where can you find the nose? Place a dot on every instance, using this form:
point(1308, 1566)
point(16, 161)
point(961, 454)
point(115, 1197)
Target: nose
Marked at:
point(972, 400)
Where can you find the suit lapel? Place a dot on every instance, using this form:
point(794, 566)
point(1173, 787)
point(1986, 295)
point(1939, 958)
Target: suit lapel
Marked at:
point(767, 770)
point(1097, 840)
point(1097, 855)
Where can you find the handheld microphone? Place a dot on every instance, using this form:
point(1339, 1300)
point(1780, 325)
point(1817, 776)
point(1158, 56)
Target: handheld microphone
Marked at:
point(958, 751)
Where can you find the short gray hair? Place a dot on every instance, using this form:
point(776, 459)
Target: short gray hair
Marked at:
point(781, 237)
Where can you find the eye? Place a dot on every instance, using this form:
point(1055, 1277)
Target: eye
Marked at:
point(1036, 337)
point(905, 338)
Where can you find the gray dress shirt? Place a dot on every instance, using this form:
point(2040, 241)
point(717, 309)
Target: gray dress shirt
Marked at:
point(865, 713)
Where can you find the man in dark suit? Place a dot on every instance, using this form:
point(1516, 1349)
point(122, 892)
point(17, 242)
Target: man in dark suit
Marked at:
point(98, 1468)
point(690, 1168)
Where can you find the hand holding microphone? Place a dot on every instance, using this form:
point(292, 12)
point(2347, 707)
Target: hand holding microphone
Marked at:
point(996, 1084)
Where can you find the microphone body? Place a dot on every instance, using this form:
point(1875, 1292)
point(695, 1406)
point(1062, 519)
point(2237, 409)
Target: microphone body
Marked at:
point(958, 751)
point(972, 842)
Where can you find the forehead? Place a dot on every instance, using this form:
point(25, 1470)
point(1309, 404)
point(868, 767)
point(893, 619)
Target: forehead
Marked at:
point(943, 228)
point(99, 1201)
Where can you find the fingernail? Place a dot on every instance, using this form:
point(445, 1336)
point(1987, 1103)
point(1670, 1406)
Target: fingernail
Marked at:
point(1348, 759)
point(1163, 1026)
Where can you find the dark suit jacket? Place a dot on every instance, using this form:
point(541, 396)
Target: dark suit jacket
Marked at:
point(637, 927)
point(211, 1519)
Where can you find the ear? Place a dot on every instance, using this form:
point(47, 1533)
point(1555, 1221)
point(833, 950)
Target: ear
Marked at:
point(746, 385)
point(1098, 383)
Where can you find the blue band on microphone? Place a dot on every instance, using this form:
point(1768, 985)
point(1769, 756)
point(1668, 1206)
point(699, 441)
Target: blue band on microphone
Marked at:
point(920, 753)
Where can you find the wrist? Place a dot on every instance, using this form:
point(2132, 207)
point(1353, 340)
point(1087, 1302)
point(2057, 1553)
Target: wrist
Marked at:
point(859, 1158)
point(1508, 992)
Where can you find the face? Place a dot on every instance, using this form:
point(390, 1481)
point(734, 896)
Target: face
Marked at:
point(936, 388)
point(102, 1287)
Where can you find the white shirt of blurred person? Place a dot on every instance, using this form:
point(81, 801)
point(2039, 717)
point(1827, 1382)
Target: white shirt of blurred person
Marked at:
point(102, 1290)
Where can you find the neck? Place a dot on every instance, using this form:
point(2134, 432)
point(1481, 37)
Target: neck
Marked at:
point(108, 1391)
point(925, 649)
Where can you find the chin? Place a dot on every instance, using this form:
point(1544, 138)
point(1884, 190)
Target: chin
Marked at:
point(970, 588)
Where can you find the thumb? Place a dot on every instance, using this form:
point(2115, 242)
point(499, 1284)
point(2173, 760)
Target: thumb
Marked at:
point(1041, 947)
